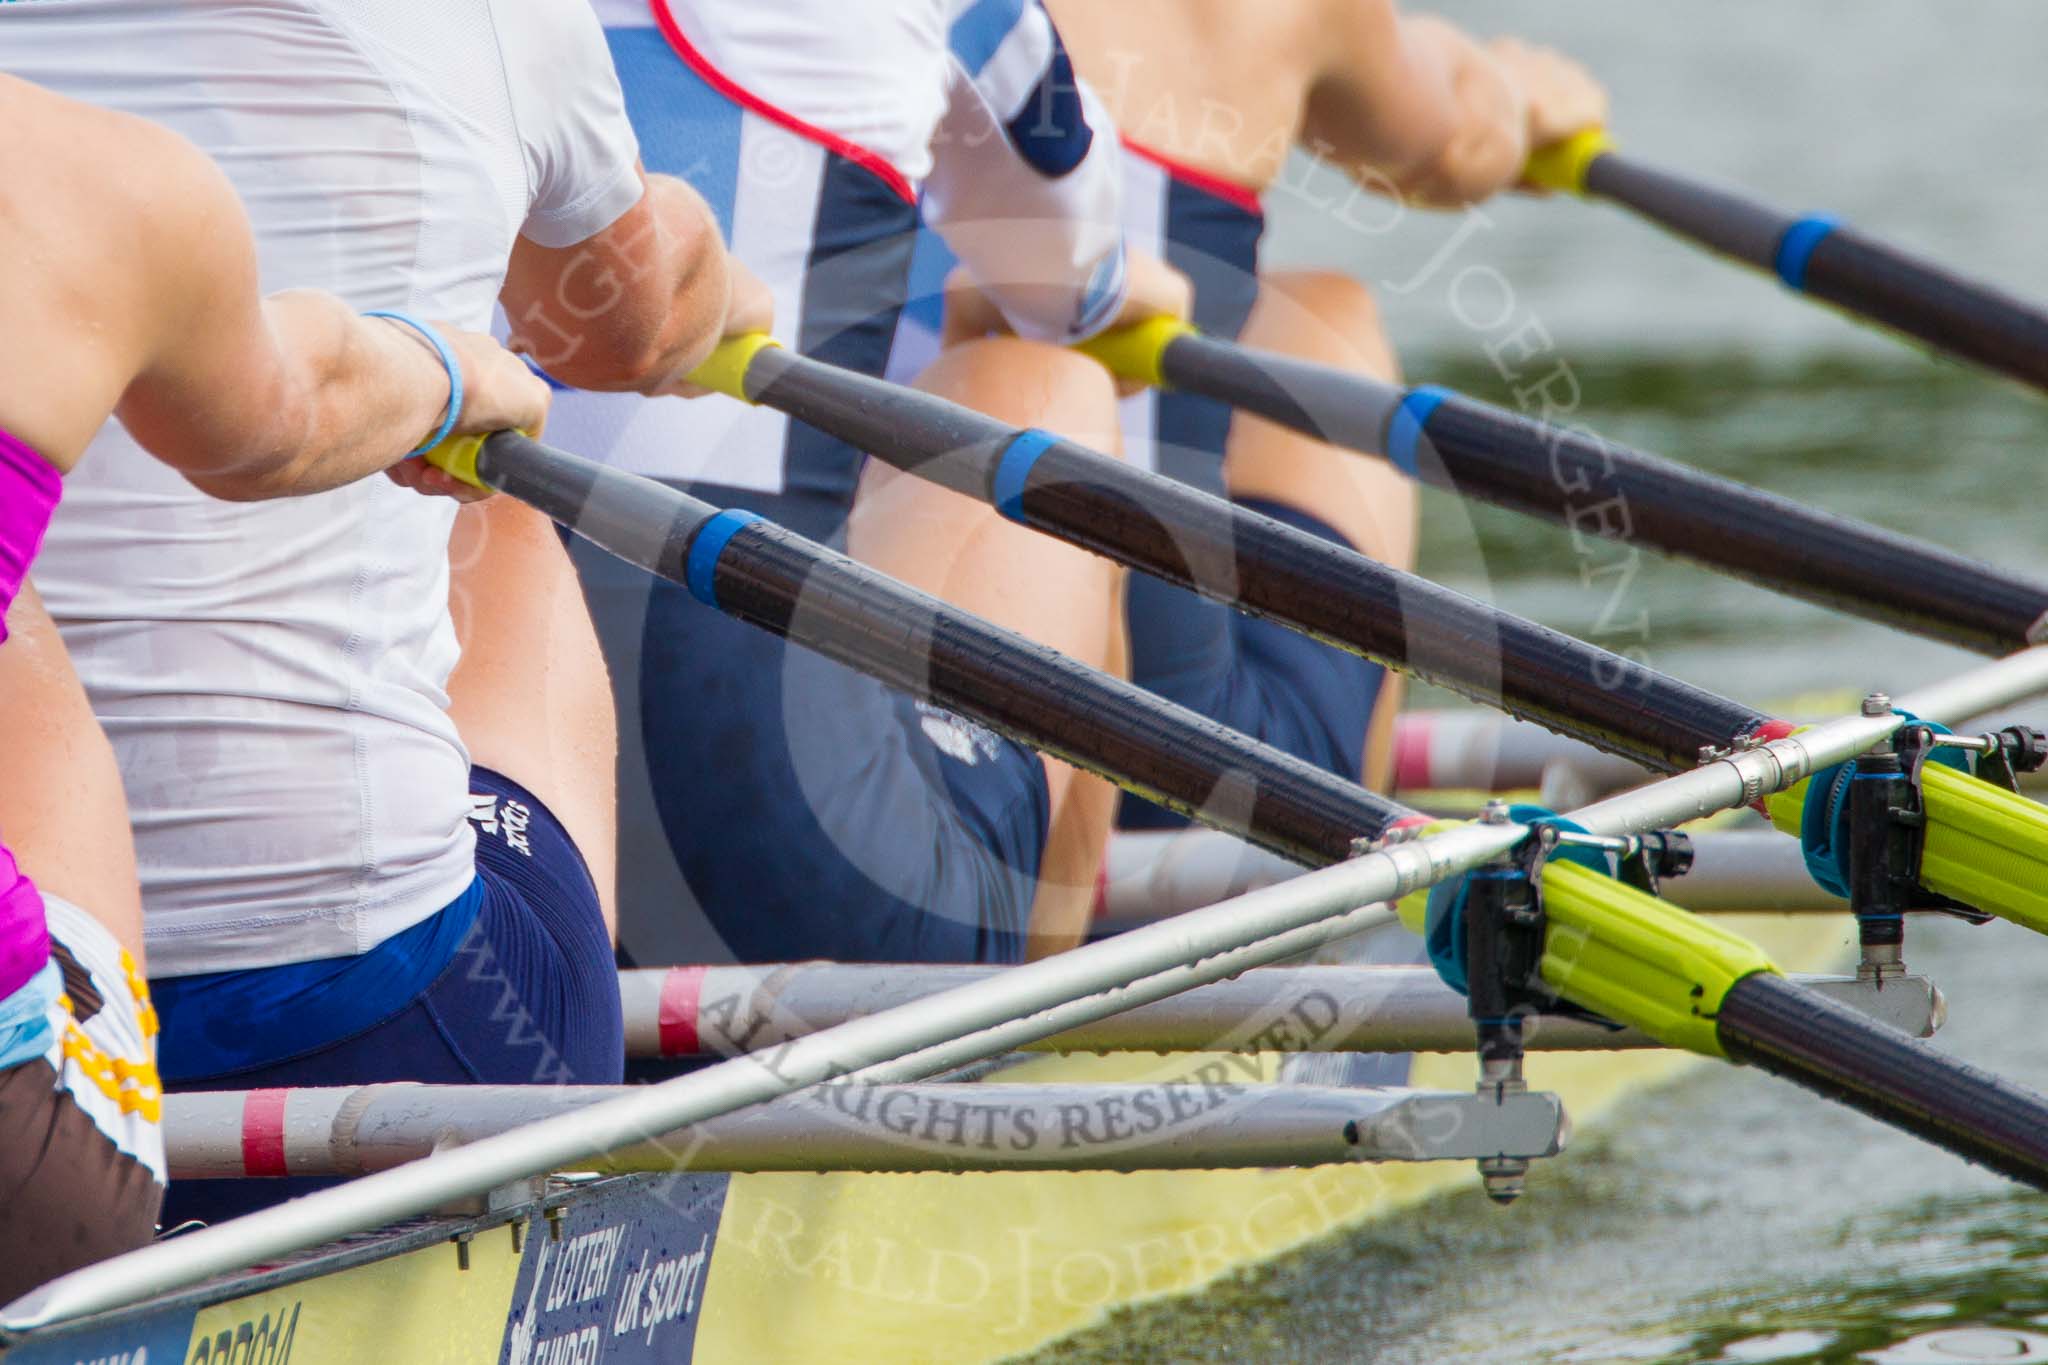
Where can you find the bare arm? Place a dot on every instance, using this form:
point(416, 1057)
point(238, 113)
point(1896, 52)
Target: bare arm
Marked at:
point(1418, 106)
point(1383, 104)
point(254, 398)
point(635, 307)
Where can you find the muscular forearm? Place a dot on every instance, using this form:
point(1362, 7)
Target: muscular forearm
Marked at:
point(633, 308)
point(1486, 142)
point(350, 396)
point(698, 286)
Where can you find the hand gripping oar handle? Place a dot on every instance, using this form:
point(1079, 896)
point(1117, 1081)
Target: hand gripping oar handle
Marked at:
point(1234, 555)
point(771, 577)
point(1816, 256)
point(1595, 487)
point(1689, 983)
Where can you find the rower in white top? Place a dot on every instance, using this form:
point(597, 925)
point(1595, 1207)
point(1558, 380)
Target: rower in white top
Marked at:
point(808, 811)
point(281, 681)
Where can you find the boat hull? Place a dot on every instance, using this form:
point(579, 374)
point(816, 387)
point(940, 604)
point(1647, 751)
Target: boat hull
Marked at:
point(803, 1267)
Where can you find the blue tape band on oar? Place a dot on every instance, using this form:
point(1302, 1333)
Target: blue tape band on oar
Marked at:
point(1410, 419)
point(701, 568)
point(1006, 488)
point(1795, 248)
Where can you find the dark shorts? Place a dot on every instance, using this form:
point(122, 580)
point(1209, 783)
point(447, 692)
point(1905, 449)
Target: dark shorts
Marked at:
point(1274, 684)
point(775, 805)
point(531, 996)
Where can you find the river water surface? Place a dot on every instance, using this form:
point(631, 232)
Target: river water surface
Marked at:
point(1728, 1218)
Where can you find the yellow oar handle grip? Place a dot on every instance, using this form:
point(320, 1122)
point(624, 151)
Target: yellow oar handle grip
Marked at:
point(1985, 846)
point(1137, 352)
point(1628, 956)
point(1638, 960)
point(1561, 167)
point(725, 370)
point(457, 456)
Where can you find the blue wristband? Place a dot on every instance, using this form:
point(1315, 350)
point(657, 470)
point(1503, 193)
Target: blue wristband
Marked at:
point(448, 362)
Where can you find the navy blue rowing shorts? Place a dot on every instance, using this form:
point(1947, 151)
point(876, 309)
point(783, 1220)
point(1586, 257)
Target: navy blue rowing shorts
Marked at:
point(798, 809)
point(1271, 682)
point(529, 997)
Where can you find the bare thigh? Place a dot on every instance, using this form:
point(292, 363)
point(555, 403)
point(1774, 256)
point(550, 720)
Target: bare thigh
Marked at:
point(970, 555)
point(531, 697)
point(1331, 319)
point(63, 812)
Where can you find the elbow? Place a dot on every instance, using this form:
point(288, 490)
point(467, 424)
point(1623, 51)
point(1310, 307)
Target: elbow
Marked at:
point(241, 487)
point(281, 468)
point(278, 468)
point(236, 461)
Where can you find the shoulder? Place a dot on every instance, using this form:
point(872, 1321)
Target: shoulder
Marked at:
point(106, 172)
point(569, 114)
point(107, 147)
point(555, 42)
point(136, 227)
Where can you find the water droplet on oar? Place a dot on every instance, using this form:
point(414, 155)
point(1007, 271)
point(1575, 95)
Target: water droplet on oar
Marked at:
point(1967, 1346)
point(1777, 1346)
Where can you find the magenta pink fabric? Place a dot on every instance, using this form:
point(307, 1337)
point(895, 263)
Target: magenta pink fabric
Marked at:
point(29, 489)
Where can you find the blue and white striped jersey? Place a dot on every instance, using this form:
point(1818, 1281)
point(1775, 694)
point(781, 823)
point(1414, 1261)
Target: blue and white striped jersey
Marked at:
point(822, 132)
point(1208, 229)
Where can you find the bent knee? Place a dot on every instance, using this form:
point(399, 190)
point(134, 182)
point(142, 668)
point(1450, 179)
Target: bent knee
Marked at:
point(1324, 316)
point(1030, 384)
point(1334, 298)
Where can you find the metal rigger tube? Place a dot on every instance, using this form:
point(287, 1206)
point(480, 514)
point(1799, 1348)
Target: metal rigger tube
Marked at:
point(1027, 1003)
point(1098, 979)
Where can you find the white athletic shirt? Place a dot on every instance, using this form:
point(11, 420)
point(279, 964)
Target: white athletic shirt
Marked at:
point(272, 674)
point(927, 87)
point(771, 101)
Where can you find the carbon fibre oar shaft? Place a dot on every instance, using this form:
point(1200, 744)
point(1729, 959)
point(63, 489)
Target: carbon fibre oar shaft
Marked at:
point(1770, 1023)
point(776, 579)
point(1815, 255)
point(1688, 982)
point(1593, 486)
point(1236, 556)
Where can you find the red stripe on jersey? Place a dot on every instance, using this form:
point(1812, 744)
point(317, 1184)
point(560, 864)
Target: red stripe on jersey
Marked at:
point(1229, 191)
point(746, 99)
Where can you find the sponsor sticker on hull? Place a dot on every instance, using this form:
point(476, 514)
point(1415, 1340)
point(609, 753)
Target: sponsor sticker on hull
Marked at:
point(146, 1341)
point(617, 1275)
point(621, 1279)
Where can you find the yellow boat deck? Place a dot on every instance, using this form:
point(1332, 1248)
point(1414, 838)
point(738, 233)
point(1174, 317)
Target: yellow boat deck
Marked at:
point(950, 1268)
